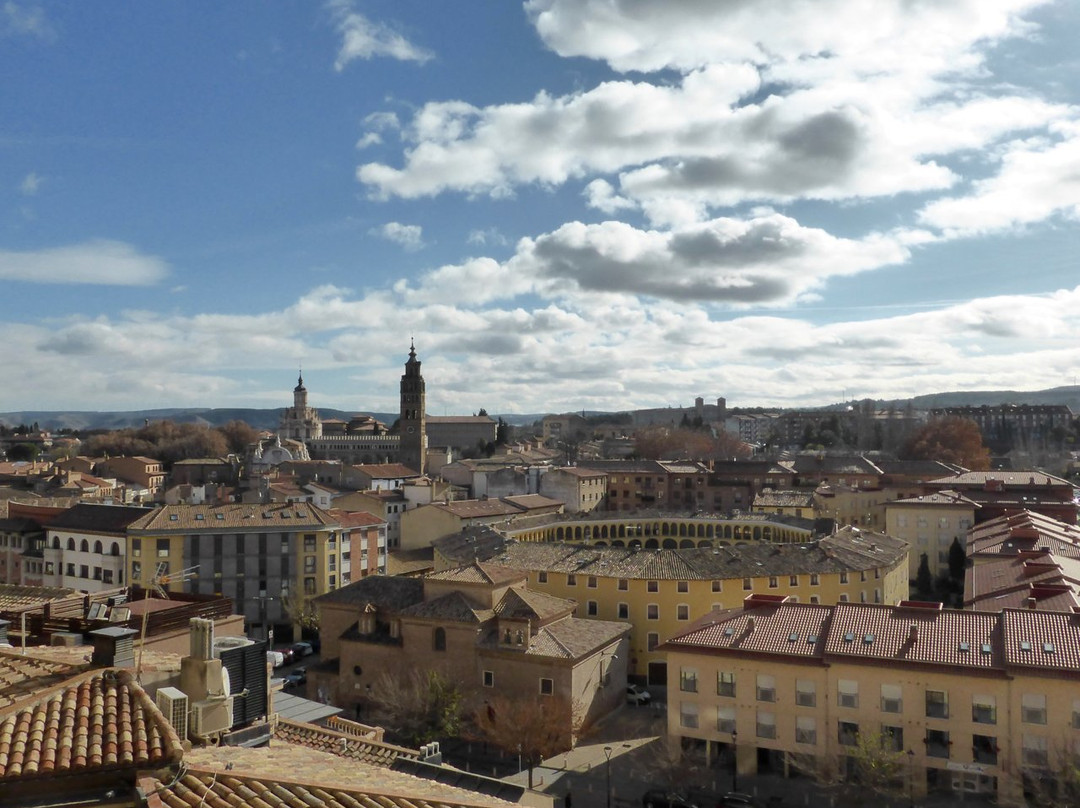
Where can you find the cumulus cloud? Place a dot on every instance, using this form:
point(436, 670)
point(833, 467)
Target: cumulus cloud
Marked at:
point(409, 236)
point(109, 263)
point(30, 184)
point(25, 19)
point(362, 38)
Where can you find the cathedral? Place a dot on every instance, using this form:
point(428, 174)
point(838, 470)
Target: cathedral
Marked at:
point(366, 440)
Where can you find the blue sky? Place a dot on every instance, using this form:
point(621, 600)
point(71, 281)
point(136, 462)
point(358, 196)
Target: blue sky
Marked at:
point(569, 204)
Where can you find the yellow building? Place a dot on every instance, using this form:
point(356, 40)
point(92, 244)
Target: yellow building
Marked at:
point(966, 701)
point(929, 523)
point(267, 558)
point(786, 503)
point(660, 592)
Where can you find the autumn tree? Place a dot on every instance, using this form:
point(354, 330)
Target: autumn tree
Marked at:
point(238, 435)
point(417, 706)
point(533, 728)
point(874, 763)
point(662, 443)
point(951, 439)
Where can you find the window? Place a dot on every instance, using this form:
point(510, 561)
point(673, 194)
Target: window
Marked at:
point(984, 709)
point(725, 719)
point(725, 684)
point(806, 692)
point(937, 704)
point(984, 749)
point(309, 586)
point(541, 577)
point(747, 583)
point(847, 693)
point(682, 586)
point(1033, 708)
point(97, 573)
point(84, 571)
point(806, 729)
point(815, 599)
point(71, 570)
point(624, 611)
point(439, 639)
point(571, 579)
point(652, 640)
point(309, 542)
point(766, 687)
point(717, 586)
point(162, 548)
point(623, 585)
point(331, 563)
point(847, 733)
point(688, 714)
point(590, 608)
point(937, 743)
point(793, 580)
point(591, 582)
point(309, 564)
point(547, 687)
point(682, 611)
point(489, 678)
point(843, 597)
point(773, 582)
point(843, 577)
point(766, 724)
point(136, 569)
point(892, 738)
point(890, 699)
point(653, 611)
point(815, 579)
point(688, 680)
point(652, 586)
point(1035, 751)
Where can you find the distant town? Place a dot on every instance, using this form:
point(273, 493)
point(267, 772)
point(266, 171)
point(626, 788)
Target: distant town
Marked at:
point(863, 596)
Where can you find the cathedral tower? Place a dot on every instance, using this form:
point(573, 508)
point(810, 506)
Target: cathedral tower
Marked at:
point(300, 422)
point(412, 421)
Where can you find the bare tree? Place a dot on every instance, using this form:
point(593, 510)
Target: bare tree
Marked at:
point(302, 611)
point(874, 763)
point(533, 728)
point(417, 706)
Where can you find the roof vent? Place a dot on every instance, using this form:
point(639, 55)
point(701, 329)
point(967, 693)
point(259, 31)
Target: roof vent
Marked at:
point(750, 623)
point(1031, 602)
point(114, 647)
point(913, 632)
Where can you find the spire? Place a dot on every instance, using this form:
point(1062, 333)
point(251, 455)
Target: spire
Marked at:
point(412, 349)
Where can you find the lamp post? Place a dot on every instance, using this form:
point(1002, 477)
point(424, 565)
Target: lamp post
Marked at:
point(911, 777)
point(607, 754)
point(734, 761)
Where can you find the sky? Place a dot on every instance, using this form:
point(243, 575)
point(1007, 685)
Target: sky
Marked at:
point(567, 204)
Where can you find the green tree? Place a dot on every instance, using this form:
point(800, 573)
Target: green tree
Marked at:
point(957, 560)
point(23, 451)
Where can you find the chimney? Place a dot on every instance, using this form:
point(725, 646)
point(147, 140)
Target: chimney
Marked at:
point(114, 647)
point(913, 632)
point(1031, 603)
point(201, 632)
point(750, 624)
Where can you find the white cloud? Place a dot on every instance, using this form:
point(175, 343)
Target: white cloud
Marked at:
point(30, 185)
point(409, 236)
point(489, 235)
point(362, 38)
point(25, 19)
point(109, 263)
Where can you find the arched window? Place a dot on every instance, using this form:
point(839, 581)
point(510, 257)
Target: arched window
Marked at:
point(97, 547)
point(115, 549)
point(84, 546)
point(56, 542)
point(440, 639)
point(71, 544)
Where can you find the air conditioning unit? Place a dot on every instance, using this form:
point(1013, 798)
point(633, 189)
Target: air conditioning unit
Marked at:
point(173, 704)
point(228, 643)
point(210, 719)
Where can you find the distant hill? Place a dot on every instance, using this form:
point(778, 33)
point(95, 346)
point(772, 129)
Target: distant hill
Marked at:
point(268, 418)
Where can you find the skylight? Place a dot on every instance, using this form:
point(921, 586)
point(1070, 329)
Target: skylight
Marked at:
point(1025, 646)
point(849, 637)
point(1048, 648)
point(793, 637)
point(986, 648)
point(965, 646)
point(811, 639)
point(869, 638)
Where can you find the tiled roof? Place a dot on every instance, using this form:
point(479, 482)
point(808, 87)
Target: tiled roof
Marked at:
point(1012, 479)
point(526, 604)
point(789, 629)
point(1042, 639)
point(233, 516)
point(479, 573)
point(386, 471)
point(581, 637)
point(946, 497)
point(533, 501)
point(22, 675)
point(784, 499)
point(103, 719)
point(341, 744)
point(1017, 580)
point(384, 592)
point(575, 471)
point(474, 508)
point(355, 518)
point(1022, 532)
point(16, 598)
point(453, 607)
point(104, 518)
point(844, 551)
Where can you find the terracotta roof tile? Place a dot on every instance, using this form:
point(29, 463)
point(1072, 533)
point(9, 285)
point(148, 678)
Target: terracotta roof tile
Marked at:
point(233, 516)
point(341, 744)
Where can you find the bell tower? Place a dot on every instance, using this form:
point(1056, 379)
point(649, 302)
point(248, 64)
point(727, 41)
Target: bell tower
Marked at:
point(412, 421)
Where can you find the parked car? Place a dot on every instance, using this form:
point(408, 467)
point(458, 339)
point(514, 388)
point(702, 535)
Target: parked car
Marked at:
point(287, 652)
point(276, 658)
point(635, 694)
point(294, 679)
point(302, 649)
point(659, 798)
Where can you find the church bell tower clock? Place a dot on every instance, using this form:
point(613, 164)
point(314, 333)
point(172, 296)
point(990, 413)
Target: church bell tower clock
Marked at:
point(412, 420)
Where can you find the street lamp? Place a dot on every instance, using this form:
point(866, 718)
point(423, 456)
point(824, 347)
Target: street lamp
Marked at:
point(734, 761)
point(607, 754)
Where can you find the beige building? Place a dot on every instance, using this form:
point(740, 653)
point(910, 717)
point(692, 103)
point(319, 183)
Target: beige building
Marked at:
point(480, 626)
point(660, 592)
point(579, 489)
point(421, 526)
point(786, 503)
point(968, 701)
point(930, 523)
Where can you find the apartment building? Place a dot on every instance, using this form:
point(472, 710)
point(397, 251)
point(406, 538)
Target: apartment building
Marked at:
point(143, 477)
point(580, 490)
point(86, 547)
point(267, 557)
point(1002, 492)
point(930, 523)
point(660, 592)
point(973, 702)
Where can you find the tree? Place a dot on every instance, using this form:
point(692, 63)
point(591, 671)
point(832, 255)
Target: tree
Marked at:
point(533, 728)
point(949, 440)
point(302, 611)
point(957, 560)
point(238, 435)
point(23, 451)
point(662, 443)
point(924, 581)
point(417, 706)
point(875, 762)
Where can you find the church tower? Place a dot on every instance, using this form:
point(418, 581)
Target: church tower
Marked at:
point(300, 422)
point(412, 421)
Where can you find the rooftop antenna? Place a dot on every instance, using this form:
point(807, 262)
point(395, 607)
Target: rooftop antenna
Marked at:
point(160, 580)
